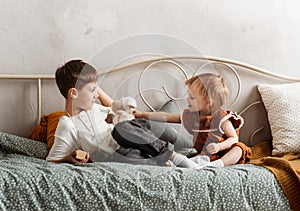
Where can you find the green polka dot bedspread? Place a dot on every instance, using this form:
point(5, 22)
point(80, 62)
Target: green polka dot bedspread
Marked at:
point(28, 182)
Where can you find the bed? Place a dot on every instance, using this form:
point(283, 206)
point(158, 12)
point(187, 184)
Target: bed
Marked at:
point(269, 182)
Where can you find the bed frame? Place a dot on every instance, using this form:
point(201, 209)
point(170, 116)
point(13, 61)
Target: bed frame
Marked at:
point(136, 77)
point(29, 182)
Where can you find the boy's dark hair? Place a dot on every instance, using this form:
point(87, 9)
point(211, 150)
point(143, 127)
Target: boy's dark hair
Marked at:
point(74, 74)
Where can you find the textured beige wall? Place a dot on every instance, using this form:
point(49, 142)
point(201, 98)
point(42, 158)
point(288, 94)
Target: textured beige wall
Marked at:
point(36, 36)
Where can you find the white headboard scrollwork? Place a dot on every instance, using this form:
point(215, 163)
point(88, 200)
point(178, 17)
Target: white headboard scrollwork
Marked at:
point(164, 86)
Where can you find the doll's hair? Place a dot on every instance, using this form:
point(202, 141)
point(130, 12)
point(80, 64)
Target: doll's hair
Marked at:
point(74, 74)
point(212, 87)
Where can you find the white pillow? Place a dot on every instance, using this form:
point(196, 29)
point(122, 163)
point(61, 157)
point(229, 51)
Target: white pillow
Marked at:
point(282, 102)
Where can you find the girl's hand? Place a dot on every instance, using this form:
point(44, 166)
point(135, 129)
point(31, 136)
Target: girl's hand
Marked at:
point(213, 148)
point(137, 114)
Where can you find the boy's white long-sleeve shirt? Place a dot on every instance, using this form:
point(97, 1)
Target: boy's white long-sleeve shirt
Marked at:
point(87, 131)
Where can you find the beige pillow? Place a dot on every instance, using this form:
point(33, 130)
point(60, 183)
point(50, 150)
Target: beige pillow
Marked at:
point(282, 102)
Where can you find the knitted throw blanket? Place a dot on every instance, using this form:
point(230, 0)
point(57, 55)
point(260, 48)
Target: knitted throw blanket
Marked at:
point(286, 170)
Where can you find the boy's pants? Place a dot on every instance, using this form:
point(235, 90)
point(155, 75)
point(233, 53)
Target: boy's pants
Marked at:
point(139, 144)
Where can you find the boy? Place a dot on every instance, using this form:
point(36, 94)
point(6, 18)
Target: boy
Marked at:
point(86, 126)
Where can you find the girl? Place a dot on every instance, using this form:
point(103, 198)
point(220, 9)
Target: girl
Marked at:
point(214, 130)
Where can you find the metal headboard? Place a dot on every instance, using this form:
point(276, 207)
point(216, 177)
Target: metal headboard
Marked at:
point(151, 62)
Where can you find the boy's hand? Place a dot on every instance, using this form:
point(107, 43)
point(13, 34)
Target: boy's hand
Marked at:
point(109, 118)
point(78, 156)
point(213, 148)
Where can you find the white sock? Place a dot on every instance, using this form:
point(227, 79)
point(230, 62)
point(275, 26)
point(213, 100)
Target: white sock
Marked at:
point(217, 163)
point(201, 160)
point(182, 161)
point(171, 164)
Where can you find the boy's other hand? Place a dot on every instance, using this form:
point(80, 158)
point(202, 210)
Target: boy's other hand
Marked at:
point(78, 156)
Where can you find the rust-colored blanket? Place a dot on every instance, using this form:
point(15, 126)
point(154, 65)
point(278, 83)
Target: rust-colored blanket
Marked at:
point(286, 169)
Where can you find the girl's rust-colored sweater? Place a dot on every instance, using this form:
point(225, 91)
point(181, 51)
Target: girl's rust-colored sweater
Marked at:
point(207, 129)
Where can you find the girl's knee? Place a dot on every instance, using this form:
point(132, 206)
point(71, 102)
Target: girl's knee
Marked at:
point(237, 149)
